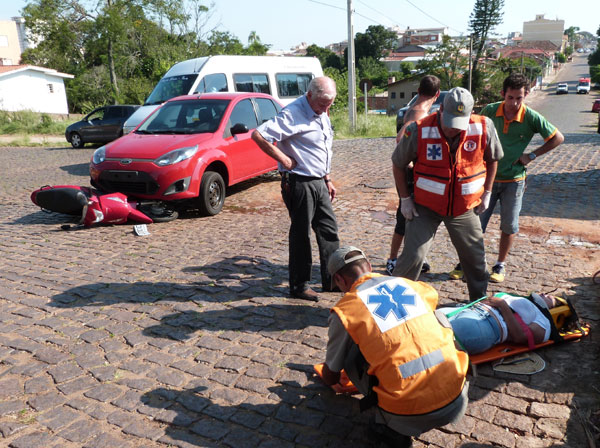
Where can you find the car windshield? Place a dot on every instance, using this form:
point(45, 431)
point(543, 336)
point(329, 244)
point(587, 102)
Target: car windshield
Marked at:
point(185, 117)
point(170, 87)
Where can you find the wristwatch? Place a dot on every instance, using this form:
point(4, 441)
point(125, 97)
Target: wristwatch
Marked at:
point(532, 155)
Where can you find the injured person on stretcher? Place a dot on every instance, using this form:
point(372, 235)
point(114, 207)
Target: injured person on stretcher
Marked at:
point(502, 318)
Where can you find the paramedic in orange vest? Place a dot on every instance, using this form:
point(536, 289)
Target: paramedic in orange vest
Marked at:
point(385, 334)
point(455, 155)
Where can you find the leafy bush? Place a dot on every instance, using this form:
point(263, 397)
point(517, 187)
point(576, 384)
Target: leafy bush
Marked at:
point(28, 122)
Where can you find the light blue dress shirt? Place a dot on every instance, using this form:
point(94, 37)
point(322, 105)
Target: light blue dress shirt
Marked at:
point(302, 134)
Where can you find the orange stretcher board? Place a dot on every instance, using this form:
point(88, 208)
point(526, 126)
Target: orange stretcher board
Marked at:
point(344, 386)
point(503, 350)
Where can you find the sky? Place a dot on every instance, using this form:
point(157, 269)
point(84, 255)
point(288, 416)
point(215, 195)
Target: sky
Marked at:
point(283, 24)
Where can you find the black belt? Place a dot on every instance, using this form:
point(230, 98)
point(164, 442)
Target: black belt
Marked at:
point(298, 177)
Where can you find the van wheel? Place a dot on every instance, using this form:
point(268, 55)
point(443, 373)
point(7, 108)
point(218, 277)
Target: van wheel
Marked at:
point(76, 141)
point(212, 193)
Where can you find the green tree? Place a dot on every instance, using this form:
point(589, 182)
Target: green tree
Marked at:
point(374, 70)
point(486, 15)
point(572, 33)
point(375, 42)
point(327, 57)
point(446, 62)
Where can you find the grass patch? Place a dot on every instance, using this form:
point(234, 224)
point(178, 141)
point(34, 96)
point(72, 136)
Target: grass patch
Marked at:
point(371, 126)
point(27, 123)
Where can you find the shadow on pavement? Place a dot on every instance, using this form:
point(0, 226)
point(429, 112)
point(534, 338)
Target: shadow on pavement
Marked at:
point(289, 413)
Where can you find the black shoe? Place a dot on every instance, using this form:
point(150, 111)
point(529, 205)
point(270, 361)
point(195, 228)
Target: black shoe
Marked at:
point(384, 434)
point(425, 268)
point(305, 294)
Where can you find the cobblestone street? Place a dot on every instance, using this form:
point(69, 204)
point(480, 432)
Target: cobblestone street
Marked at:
point(187, 337)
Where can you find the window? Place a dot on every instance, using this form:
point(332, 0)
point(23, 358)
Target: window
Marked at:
point(292, 84)
point(3, 40)
point(401, 95)
point(243, 113)
point(251, 83)
point(266, 108)
point(96, 115)
point(113, 112)
point(216, 82)
point(393, 95)
point(171, 87)
point(51, 88)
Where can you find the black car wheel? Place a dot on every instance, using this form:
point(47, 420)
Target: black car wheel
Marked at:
point(212, 193)
point(76, 141)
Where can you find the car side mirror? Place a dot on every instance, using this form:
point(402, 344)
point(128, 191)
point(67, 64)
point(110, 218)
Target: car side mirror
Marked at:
point(239, 128)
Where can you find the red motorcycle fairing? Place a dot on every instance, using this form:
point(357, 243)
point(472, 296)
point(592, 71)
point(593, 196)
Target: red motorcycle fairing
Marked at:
point(93, 206)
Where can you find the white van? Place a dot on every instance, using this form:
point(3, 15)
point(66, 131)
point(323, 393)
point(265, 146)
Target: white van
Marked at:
point(283, 77)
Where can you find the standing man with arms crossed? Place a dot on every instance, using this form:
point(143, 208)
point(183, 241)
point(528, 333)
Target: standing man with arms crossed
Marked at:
point(304, 138)
point(455, 156)
point(428, 92)
point(516, 125)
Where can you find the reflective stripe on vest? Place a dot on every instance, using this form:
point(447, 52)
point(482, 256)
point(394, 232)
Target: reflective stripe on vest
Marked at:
point(450, 183)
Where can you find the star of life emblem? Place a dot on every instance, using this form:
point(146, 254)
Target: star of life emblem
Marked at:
point(392, 303)
point(434, 151)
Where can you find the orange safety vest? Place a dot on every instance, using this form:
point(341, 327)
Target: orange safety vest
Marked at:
point(412, 355)
point(450, 184)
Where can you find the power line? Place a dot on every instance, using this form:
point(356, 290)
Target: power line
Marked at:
point(431, 17)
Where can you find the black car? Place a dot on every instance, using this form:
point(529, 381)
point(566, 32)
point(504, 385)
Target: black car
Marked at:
point(102, 125)
point(434, 108)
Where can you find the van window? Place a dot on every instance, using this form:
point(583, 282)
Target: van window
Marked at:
point(292, 84)
point(171, 87)
point(266, 108)
point(251, 83)
point(215, 82)
point(243, 112)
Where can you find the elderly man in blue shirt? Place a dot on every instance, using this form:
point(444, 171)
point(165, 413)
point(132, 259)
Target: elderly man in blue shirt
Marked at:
point(304, 137)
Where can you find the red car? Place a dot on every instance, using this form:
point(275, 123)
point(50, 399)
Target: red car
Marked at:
point(191, 147)
point(596, 106)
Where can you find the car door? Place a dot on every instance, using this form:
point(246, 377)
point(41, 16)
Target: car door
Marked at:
point(109, 128)
point(90, 130)
point(245, 157)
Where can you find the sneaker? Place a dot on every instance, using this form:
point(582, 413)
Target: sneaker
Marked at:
point(456, 273)
point(425, 268)
point(497, 274)
point(390, 265)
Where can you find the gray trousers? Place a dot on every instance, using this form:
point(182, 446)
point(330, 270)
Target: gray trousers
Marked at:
point(409, 425)
point(466, 236)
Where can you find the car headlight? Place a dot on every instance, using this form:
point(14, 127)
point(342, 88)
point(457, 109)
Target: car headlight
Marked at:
point(176, 156)
point(99, 155)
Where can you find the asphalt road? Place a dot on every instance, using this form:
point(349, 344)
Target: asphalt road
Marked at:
point(186, 337)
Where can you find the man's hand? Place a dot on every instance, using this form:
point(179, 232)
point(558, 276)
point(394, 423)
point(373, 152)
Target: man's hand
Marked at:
point(485, 202)
point(289, 163)
point(407, 207)
point(331, 188)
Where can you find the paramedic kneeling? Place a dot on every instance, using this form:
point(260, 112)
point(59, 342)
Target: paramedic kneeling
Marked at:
point(385, 335)
point(502, 318)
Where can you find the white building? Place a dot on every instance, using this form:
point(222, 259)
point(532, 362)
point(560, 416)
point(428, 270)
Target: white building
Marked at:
point(542, 29)
point(38, 89)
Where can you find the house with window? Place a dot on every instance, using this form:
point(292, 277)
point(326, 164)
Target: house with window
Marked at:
point(28, 87)
point(401, 92)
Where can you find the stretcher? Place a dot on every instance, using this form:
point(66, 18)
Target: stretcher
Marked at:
point(565, 322)
point(567, 327)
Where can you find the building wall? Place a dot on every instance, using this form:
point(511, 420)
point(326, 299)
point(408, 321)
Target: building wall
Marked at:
point(400, 93)
point(10, 43)
point(33, 90)
point(544, 29)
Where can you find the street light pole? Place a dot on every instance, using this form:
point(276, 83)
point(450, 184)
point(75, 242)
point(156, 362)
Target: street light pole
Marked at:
point(351, 71)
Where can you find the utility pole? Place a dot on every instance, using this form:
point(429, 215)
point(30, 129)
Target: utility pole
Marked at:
point(351, 71)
